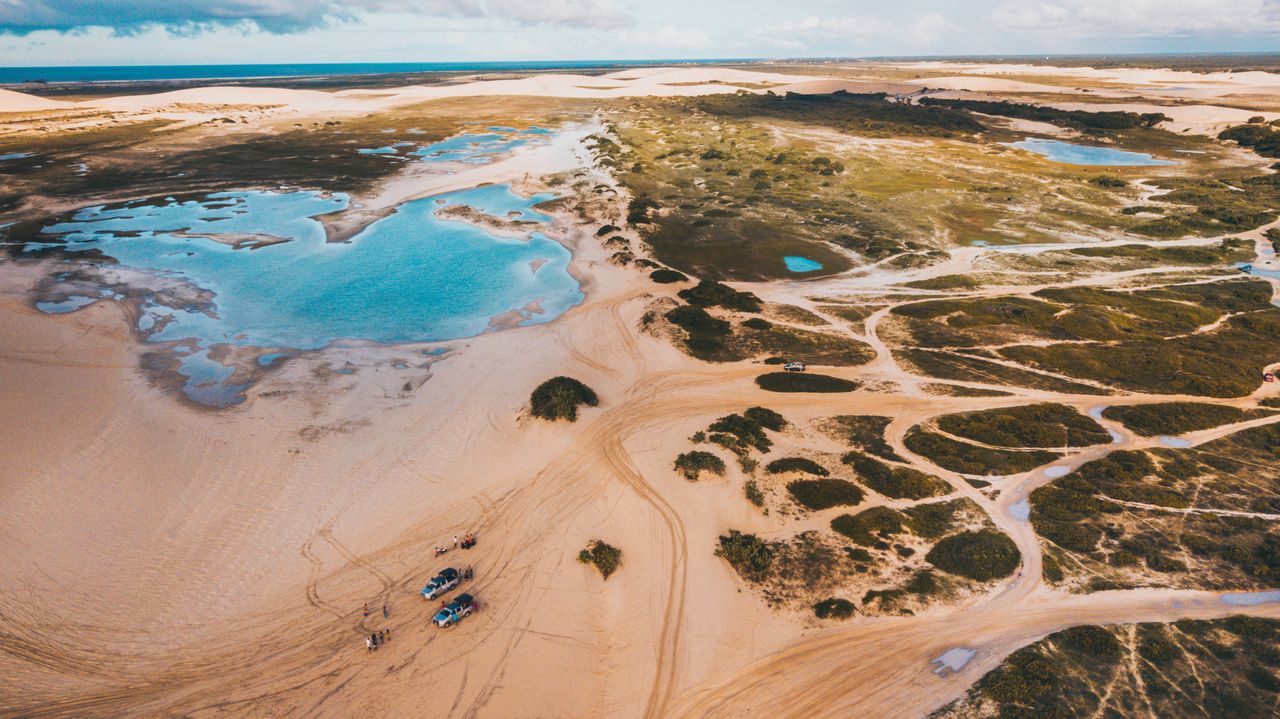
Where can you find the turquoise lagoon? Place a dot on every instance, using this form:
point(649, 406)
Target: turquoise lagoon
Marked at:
point(469, 147)
point(409, 277)
point(1071, 154)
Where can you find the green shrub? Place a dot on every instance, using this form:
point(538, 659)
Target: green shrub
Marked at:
point(966, 458)
point(1150, 420)
point(934, 519)
point(1108, 182)
point(766, 418)
point(895, 482)
point(753, 493)
point(692, 464)
point(559, 397)
point(748, 554)
point(866, 527)
point(867, 433)
point(819, 494)
point(757, 323)
point(606, 558)
point(1091, 640)
point(697, 322)
point(834, 608)
point(1036, 425)
point(740, 434)
point(709, 293)
point(796, 464)
point(666, 276)
point(982, 556)
point(804, 382)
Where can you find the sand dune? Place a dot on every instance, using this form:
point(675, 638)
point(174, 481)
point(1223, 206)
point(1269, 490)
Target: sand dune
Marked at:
point(11, 101)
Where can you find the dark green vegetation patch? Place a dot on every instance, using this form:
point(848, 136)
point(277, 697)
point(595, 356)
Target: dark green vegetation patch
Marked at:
point(968, 458)
point(1034, 425)
point(804, 382)
point(741, 433)
point(604, 557)
point(1117, 522)
point(866, 432)
point(1076, 119)
point(691, 464)
point(559, 398)
point(1219, 668)
point(870, 525)
point(895, 482)
point(861, 114)
point(819, 494)
point(796, 464)
point(981, 556)
point(1171, 418)
point(666, 276)
point(708, 293)
point(748, 554)
point(834, 608)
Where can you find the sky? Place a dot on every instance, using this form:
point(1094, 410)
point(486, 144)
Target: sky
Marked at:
point(165, 32)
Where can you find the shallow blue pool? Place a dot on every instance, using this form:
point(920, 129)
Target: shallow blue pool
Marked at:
point(796, 263)
point(1072, 154)
point(406, 278)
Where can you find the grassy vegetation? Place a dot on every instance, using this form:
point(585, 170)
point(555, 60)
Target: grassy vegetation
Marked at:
point(1099, 517)
point(604, 557)
point(870, 525)
point(1075, 119)
point(981, 556)
point(1262, 139)
point(1035, 425)
point(796, 464)
point(709, 293)
point(970, 459)
point(751, 490)
point(834, 608)
point(934, 519)
point(559, 398)
point(804, 382)
point(870, 114)
point(819, 494)
point(895, 482)
point(742, 433)
point(746, 553)
point(866, 432)
point(716, 340)
point(1218, 668)
point(692, 464)
point(1172, 418)
point(666, 276)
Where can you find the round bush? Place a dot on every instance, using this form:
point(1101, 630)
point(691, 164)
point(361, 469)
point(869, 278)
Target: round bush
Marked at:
point(559, 397)
point(981, 556)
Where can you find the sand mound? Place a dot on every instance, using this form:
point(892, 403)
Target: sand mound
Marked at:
point(224, 95)
point(823, 87)
point(11, 101)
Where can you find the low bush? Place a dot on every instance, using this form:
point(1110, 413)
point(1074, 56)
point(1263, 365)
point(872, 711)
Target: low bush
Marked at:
point(967, 458)
point(819, 494)
point(757, 323)
point(666, 276)
point(697, 322)
point(1035, 425)
point(748, 554)
point(692, 464)
point(868, 526)
point(982, 556)
point(796, 464)
point(895, 482)
point(559, 397)
point(834, 608)
point(709, 293)
point(1109, 182)
point(1173, 418)
point(606, 558)
point(766, 418)
point(753, 493)
point(804, 382)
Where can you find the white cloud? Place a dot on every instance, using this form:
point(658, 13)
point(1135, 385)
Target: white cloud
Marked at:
point(849, 34)
point(667, 36)
point(1141, 18)
point(280, 16)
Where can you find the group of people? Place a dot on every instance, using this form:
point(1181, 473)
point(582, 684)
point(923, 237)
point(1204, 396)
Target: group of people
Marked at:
point(468, 541)
point(378, 638)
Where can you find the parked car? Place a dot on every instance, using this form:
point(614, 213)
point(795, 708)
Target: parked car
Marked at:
point(794, 367)
point(454, 611)
point(446, 580)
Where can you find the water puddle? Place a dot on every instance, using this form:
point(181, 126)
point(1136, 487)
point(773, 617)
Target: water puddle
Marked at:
point(1175, 442)
point(1251, 599)
point(1020, 511)
point(1058, 471)
point(474, 148)
point(1071, 154)
point(798, 264)
point(953, 660)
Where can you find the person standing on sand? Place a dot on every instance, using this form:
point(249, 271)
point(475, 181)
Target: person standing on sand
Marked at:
point(368, 644)
point(366, 609)
point(455, 541)
point(384, 610)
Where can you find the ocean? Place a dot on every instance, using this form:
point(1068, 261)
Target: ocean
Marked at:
point(142, 73)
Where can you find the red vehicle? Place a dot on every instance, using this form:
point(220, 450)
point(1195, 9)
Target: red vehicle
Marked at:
point(1268, 377)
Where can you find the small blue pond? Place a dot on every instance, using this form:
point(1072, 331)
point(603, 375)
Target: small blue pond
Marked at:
point(409, 277)
point(796, 263)
point(1071, 154)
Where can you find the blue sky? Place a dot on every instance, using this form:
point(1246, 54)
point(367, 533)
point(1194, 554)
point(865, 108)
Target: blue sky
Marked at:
point(85, 32)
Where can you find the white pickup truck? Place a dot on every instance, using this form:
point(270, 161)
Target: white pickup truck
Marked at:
point(454, 611)
point(441, 583)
